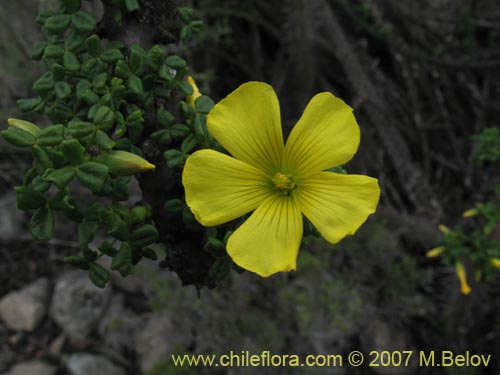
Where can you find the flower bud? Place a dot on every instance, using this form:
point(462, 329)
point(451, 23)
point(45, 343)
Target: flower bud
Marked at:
point(433, 253)
point(444, 229)
point(470, 213)
point(124, 163)
point(462, 277)
point(24, 125)
point(495, 262)
point(190, 99)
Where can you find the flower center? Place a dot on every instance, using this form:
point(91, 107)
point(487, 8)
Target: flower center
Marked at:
point(284, 182)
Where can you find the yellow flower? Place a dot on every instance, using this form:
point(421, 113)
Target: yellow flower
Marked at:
point(190, 99)
point(433, 253)
point(278, 182)
point(462, 277)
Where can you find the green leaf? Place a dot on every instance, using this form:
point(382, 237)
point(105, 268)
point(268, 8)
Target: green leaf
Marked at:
point(220, 269)
point(93, 175)
point(99, 80)
point(63, 201)
point(179, 131)
point(104, 141)
point(71, 6)
point(189, 144)
point(42, 224)
point(98, 275)
point(215, 246)
point(117, 227)
point(137, 59)
point(93, 66)
point(86, 233)
point(90, 97)
point(139, 214)
point(71, 62)
point(104, 118)
point(93, 45)
point(83, 21)
point(122, 70)
point(57, 24)
point(73, 151)
point(80, 129)
point(53, 51)
point(18, 137)
point(78, 262)
point(122, 261)
point(165, 118)
point(38, 51)
point(27, 105)
point(166, 73)
point(187, 216)
point(149, 253)
point(185, 14)
point(200, 129)
point(51, 136)
point(58, 72)
point(134, 84)
point(43, 16)
point(41, 158)
point(74, 40)
point(174, 206)
point(108, 249)
point(132, 5)
point(144, 236)
point(204, 104)
point(186, 88)
point(60, 177)
point(162, 137)
point(175, 62)
point(43, 84)
point(40, 185)
point(175, 159)
point(29, 199)
point(111, 55)
point(62, 89)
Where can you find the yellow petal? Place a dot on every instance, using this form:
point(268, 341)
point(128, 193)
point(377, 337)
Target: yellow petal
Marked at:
point(337, 204)
point(433, 253)
point(268, 242)
point(220, 188)
point(327, 135)
point(247, 123)
point(462, 277)
point(190, 99)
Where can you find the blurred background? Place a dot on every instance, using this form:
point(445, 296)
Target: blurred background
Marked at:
point(423, 79)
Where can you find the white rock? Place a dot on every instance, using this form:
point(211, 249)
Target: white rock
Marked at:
point(77, 304)
point(23, 310)
point(92, 364)
point(32, 368)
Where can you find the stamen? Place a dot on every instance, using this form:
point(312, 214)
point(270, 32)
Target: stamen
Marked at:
point(284, 182)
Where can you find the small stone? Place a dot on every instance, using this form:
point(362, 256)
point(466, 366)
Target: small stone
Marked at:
point(24, 309)
point(56, 346)
point(32, 368)
point(77, 304)
point(92, 364)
